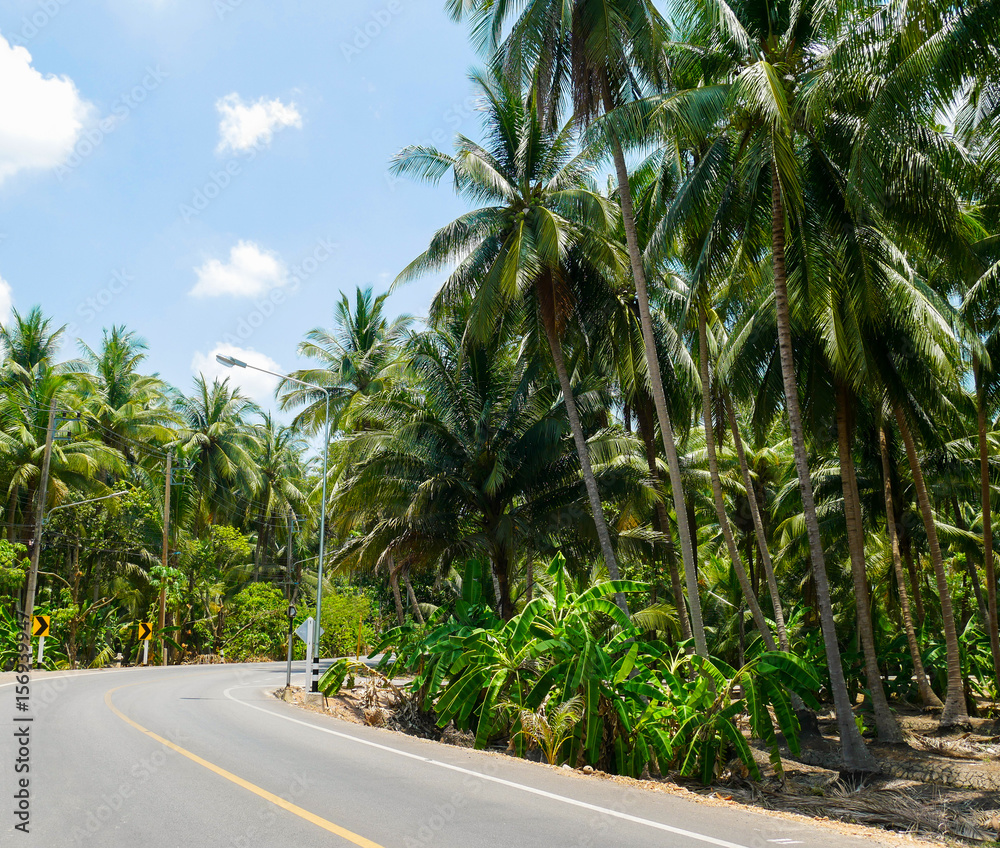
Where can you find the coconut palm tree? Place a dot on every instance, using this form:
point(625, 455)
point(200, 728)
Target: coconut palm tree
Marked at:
point(28, 342)
point(591, 50)
point(220, 445)
point(277, 455)
point(353, 359)
point(927, 695)
point(469, 457)
point(124, 408)
point(793, 94)
point(78, 461)
point(512, 255)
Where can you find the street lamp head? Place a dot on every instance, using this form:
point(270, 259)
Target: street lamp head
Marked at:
point(230, 361)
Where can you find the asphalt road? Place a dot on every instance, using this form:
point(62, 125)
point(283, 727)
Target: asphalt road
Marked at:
point(203, 756)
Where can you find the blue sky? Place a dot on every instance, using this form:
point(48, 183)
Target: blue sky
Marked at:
point(213, 173)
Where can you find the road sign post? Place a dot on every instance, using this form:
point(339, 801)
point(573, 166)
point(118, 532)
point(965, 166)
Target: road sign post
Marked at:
point(306, 631)
point(145, 632)
point(309, 651)
point(291, 635)
point(40, 626)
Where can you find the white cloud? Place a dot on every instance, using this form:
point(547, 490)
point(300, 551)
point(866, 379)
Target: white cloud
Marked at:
point(6, 300)
point(250, 272)
point(258, 386)
point(245, 125)
point(41, 117)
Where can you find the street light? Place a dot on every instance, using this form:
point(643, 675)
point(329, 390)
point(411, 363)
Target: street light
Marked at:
point(233, 362)
point(89, 500)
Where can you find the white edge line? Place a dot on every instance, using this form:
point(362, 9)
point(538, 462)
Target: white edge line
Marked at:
point(711, 840)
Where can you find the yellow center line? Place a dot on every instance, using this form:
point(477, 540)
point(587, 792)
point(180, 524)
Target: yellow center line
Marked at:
point(278, 801)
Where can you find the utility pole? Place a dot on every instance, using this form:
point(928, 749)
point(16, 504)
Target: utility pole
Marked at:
point(36, 546)
point(293, 587)
point(166, 555)
point(292, 592)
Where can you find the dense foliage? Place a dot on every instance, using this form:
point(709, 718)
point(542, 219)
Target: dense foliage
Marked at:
point(574, 675)
point(746, 389)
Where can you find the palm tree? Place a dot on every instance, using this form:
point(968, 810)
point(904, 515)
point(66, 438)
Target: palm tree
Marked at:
point(277, 454)
point(927, 694)
point(975, 123)
point(77, 461)
point(789, 94)
point(612, 316)
point(760, 534)
point(514, 254)
point(955, 713)
point(717, 495)
point(353, 359)
point(221, 447)
point(29, 343)
point(593, 47)
point(127, 410)
point(468, 457)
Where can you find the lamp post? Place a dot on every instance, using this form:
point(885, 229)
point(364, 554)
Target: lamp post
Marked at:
point(233, 362)
point(89, 500)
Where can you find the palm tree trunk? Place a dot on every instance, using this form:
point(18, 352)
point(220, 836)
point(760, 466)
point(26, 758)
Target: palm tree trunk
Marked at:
point(758, 526)
point(259, 546)
point(11, 510)
point(656, 383)
point(987, 506)
point(500, 594)
point(856, 755)
point(394, 585)
point(885, 722)
point(720, 505)
point(927, 695)
point(547, 307)
point(500, 564)
point(911, 570)
point(971, 570)
point(955, 712)
point(644, 418)
point(413, 596)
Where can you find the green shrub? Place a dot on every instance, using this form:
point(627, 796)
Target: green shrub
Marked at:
point(256, 624)
point(345, 612)
point(14, 564)
point(635, 704)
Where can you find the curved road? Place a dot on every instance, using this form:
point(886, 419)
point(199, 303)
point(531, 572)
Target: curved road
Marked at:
point(203, 756)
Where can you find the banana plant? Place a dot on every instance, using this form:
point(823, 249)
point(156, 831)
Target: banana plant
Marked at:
point(640, 703)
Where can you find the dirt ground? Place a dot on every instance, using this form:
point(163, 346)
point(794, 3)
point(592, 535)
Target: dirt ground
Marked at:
point(936, 789)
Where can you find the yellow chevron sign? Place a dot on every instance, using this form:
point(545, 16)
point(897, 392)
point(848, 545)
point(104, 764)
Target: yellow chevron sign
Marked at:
point(145, 631)
point(40, 625)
